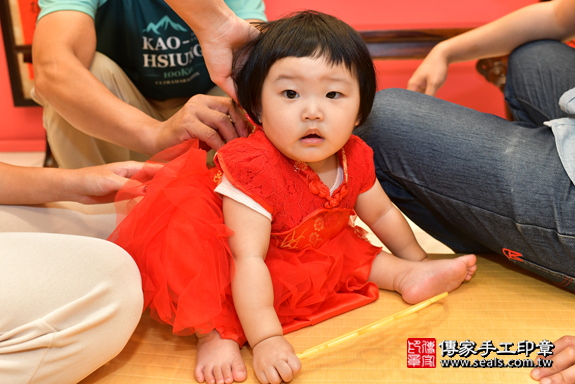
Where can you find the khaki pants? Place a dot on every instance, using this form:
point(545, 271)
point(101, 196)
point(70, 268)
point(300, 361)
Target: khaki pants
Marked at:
point(68, 303)
point(75, 149)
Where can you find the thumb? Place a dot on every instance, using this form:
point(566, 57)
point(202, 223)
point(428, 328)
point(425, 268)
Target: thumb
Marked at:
point(227, 85)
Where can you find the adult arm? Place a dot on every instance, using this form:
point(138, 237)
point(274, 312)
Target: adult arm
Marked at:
point(31, 185)
point(220, 32)
point(63, 49)
point(547, 20)
point(252, 290)
point(376, 210)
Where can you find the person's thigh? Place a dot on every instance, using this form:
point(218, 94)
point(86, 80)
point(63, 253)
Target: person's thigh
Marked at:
point(98, 220)
point(538, 74)
point(476, 182)
point(68, 304)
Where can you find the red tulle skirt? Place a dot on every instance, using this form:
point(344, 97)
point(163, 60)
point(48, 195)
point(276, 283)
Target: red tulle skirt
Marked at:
point(174, 229)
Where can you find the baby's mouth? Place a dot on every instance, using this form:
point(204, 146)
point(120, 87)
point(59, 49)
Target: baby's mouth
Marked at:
point(312, 136)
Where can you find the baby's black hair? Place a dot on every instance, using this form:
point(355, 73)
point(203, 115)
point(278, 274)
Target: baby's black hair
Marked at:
point(302, 34)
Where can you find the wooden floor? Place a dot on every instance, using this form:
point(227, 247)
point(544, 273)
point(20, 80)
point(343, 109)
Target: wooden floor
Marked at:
point(501, 303)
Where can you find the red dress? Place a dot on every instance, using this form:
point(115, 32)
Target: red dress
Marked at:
point(318, 260)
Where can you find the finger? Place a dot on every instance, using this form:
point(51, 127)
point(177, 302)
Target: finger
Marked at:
point(228, 86)
point(284, 370)
point(417, 83)
point(113, 183)
point(152, 168)
point(562, 343)
point(433, 85)
point(563, 364)
point(272, 375)
point(431, 89)
point(125, 169)
point(415, 87)
point(214, 112)
point(109, 198)
point(226, 106)
point(261, 375)
point(238, 115)
point(218, 121)
point(295, 364)
point(566, 376)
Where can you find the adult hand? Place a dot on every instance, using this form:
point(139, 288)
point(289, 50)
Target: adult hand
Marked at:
point(275, 360)
point(431, 74)
point(99, 184)
point(218, 50)
point(211, 119)
point(563, 369)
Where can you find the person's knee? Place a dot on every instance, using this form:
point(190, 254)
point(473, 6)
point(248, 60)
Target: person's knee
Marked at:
point(391, 102)
point(124, 293)
point(389, 118)
point(104, 68)
point(535, 56)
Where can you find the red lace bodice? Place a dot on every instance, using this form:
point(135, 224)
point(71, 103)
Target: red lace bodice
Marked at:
point(291, 191)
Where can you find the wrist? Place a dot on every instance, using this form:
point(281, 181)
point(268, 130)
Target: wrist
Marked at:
point(149, 139)
point(264, 340)
point(268, 327)
point(67, 184)
point(442, 52)
point(217, 19)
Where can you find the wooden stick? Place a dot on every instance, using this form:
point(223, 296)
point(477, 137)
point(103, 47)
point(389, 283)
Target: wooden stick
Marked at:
point(370, 327)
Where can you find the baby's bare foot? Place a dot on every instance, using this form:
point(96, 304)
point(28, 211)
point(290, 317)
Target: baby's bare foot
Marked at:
point(218, 360)
point(432, 277)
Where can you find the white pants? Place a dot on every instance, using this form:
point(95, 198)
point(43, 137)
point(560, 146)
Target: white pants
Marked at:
point(68, 303)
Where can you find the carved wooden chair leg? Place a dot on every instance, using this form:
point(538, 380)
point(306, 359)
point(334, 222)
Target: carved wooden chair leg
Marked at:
point(494, 69)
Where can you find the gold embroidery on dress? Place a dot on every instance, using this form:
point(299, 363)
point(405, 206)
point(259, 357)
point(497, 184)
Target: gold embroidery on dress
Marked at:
point(344, 165)
point(291, 243)
point(299, 165)
point(218, 177)
point(314, 238)
point(318, 225)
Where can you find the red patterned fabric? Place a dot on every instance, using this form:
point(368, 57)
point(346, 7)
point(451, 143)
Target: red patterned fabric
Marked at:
point(282, 186)
point(318, 260)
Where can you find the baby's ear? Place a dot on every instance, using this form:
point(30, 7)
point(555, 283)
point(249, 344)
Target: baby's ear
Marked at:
point(358, 120)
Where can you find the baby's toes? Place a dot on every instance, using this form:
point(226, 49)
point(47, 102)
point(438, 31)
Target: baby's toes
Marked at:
point(227, 373)
point(470, 272)
point(199, 373)
point(218, 375)
point(209, 374)
point(239, 371)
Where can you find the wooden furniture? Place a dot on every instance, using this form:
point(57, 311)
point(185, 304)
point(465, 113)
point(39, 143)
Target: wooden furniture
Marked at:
point(405, 44)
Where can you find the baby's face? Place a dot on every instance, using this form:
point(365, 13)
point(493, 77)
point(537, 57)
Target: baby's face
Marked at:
point(309, 108)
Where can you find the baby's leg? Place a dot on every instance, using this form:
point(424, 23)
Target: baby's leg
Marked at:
point(420, 280)
point(218, 360)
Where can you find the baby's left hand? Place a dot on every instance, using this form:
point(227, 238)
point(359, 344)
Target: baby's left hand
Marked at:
point(275, 361)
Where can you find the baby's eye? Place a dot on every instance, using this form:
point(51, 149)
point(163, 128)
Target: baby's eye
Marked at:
point(333, 95)
point(290, 94)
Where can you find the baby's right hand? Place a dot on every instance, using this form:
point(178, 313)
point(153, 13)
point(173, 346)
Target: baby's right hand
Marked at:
point(275, 360)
